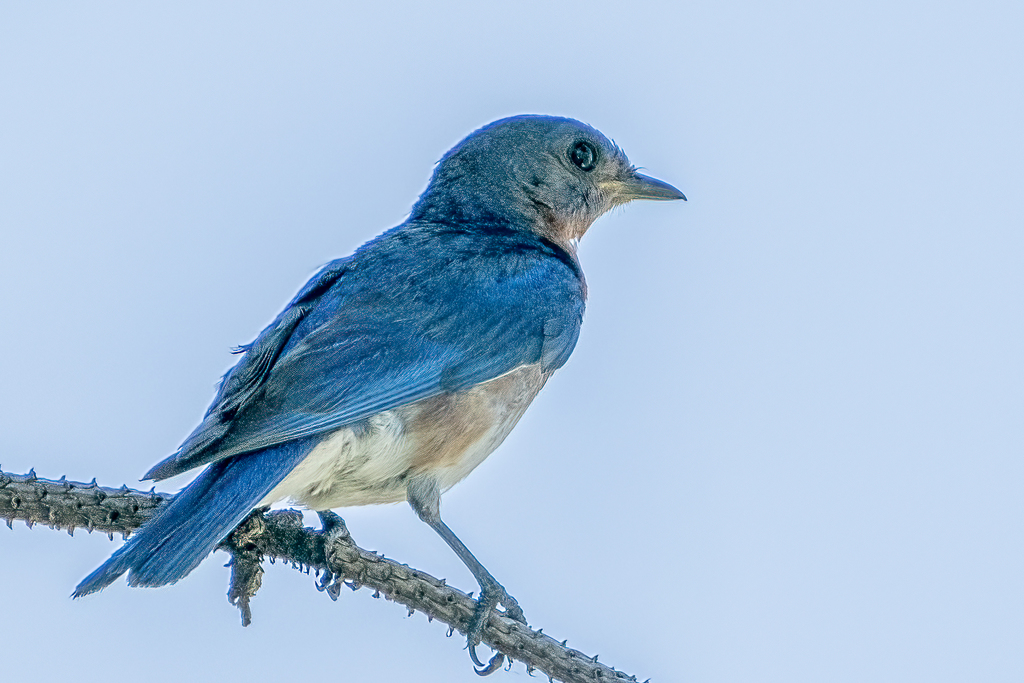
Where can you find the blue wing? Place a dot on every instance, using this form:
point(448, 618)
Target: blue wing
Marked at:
point(417, 312)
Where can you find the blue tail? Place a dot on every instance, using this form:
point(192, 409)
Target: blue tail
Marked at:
point(173, 543)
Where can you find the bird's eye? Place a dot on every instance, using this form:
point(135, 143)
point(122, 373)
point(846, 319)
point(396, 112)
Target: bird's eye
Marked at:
point(583, 155)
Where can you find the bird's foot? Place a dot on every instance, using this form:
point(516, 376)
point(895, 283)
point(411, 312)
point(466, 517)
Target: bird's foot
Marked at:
point(492, 594)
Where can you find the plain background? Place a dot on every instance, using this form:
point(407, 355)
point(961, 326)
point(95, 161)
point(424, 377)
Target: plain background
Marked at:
point(788, 446)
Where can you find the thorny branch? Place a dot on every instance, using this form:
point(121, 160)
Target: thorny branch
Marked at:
point(330, 553)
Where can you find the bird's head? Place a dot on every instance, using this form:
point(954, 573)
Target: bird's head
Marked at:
point(553, 175)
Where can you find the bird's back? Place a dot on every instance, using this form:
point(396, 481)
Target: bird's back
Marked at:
point(422, 311)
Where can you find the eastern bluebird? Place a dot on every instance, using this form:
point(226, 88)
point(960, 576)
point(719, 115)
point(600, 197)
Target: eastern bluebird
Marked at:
point(397, 370)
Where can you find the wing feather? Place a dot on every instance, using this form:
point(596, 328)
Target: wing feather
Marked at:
point(399, 321)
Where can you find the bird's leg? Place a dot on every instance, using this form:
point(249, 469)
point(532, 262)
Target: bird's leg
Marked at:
point(425, 499)
point(491, 592)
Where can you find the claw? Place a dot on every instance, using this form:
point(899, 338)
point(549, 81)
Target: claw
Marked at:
point(491, 594)
point(496, 661)
point(472, 654)
point(485, 604)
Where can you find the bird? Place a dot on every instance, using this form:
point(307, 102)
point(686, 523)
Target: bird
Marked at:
point(395, 371)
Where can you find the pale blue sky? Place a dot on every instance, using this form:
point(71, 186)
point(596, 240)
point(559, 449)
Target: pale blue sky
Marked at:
point(788, 446)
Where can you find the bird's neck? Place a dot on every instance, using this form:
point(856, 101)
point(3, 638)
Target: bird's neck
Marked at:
point(486, 210)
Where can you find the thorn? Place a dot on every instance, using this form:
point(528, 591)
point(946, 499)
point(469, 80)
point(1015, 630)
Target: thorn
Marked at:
point(451, 630)
point(93, 484)
point(411, 612)
point(444, 582)
point(564, 642)
point(31, 476)
point(63, 479)
point(10, 525)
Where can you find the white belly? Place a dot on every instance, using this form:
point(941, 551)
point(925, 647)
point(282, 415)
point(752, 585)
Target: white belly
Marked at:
point(446, 437)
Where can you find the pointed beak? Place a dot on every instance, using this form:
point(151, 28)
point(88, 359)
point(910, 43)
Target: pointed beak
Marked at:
point(633, 185)
point(640, 186)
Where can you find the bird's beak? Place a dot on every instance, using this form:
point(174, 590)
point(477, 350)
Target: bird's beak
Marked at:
point(640, 186)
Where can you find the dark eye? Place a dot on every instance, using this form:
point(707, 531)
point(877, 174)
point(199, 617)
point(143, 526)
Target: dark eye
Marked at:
point(583, 155)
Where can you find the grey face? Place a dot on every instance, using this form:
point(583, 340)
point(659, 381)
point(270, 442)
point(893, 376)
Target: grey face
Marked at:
point(554, 175)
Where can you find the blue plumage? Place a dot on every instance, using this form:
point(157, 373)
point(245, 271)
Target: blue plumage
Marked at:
point(416, 312)
point(396, 370)
point(173, 543)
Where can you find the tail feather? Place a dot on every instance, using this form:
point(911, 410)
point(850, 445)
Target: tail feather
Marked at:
point(173, 543)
